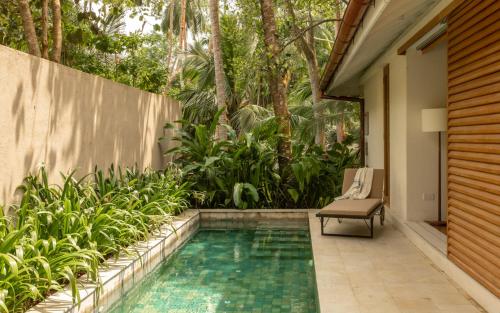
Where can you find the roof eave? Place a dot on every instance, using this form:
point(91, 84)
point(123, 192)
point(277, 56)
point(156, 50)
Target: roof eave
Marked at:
point(353, 16)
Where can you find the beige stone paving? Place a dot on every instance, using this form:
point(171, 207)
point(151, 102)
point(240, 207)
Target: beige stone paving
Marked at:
point(387, 274)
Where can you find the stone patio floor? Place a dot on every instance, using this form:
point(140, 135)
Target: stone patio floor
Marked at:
point(387, 274)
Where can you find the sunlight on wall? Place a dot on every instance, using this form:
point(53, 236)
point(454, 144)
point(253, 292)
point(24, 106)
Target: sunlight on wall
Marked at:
point(68, 119)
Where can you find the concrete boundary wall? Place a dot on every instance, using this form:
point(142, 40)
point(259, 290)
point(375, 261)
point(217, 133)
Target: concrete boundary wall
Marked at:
point(67, 119)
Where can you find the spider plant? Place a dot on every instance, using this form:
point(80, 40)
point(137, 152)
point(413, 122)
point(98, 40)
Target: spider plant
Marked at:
point(61, 232)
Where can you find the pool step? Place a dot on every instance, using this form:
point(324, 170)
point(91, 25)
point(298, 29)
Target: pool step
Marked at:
point(281, 238)
point(280, 244)
point(281, 247)
point(282, 254)
point(281, 232)
point(287, 238)
point(280, 241)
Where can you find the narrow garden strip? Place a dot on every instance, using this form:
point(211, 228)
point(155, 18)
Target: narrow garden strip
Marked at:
point(59, 233)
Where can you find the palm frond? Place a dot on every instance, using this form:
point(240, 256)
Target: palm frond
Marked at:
point(251, 116)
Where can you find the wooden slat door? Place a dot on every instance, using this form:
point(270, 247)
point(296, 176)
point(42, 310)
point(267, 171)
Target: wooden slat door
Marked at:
point(474, 140)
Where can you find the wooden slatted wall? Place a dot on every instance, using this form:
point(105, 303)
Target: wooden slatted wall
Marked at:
point(474, 140)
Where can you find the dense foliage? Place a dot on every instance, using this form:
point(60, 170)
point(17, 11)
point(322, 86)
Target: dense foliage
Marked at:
point(246, 75)
point(242, 171)
point(95, 40)
point(59, 233)
point(156, 57)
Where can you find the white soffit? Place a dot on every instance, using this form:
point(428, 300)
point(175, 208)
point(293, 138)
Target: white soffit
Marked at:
point(384, 22)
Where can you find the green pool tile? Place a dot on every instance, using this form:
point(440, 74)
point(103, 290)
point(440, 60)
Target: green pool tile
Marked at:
point(244, 271)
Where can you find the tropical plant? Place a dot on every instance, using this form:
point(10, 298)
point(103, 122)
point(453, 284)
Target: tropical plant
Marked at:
point(228, 172)
point(59, 233)
point(242, 171)
point(194, 86)
point(318, 176)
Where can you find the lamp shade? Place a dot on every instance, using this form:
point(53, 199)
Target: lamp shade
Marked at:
point(434, 120)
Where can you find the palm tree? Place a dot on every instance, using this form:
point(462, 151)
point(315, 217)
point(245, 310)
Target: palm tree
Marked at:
point(113, 23)
point(198, 73)
point(334, 113)
point(56, 31)
point(178, 19)
point(197, 94)
point(303, 120)
point(276, 82)
point(30, 31)
point(195, 20)
point(183, 27)
point(220, 83)
point(45, 29)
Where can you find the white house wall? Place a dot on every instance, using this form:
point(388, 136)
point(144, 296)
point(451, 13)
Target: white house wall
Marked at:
point(373, 90)
point(427, 88)
point(417, 81)
point(398, 136)
point(374, 104)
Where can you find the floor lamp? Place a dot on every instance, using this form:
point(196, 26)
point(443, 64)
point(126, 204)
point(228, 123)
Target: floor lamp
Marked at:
point(436, 121)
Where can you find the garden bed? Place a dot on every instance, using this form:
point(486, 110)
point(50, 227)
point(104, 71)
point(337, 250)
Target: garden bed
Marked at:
point(120, 274)
point(61, 234)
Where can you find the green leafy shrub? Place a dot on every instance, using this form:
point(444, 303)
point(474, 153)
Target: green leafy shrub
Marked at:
point(62, 232)
point(242, 171)
point(317, 175)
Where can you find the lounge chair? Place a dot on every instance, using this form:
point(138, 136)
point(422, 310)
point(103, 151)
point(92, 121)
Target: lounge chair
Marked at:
point(365, 209)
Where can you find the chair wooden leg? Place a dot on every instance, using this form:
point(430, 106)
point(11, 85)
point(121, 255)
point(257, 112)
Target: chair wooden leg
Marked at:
point(322, 226)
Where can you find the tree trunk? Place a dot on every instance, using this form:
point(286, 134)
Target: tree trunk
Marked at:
point(183, 27)
point(170, 41)
point(45, 29)
point(340, 127)
point(340, 122)
point(56, 31)
point(276, 82)
point(307, 48)
point(314, 78)
point(29, 27)
point(218, 66)
point(182, 39)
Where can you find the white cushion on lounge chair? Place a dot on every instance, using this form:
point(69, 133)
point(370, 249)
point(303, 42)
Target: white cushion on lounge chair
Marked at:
point(351, 207)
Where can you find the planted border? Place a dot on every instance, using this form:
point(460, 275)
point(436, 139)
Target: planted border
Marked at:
point(59, 233)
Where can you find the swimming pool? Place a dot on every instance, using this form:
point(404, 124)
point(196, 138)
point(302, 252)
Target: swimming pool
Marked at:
point(254, 271)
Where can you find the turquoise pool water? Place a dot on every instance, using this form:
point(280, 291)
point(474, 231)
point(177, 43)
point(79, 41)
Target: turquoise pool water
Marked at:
point(254, 271)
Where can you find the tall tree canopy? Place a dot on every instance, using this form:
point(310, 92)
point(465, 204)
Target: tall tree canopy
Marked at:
point(263, 64)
